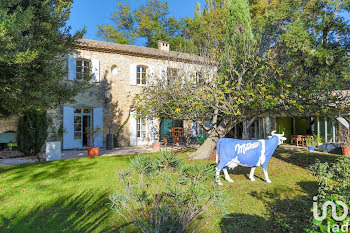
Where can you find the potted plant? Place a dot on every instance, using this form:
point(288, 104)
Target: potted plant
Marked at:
point(53, 144)
point(93, 151)
point(310, 143)
point(345, 141)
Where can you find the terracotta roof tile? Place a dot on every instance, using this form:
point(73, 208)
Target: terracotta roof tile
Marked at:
point(138, 51)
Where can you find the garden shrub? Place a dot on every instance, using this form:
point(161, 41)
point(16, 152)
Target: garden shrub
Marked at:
point(32, 132)
point(165, 194)
point(334, 185)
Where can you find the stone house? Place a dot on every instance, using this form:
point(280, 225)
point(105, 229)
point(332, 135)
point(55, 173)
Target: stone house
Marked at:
point(119, 72)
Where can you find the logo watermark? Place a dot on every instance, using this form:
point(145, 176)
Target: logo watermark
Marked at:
point(336, 227)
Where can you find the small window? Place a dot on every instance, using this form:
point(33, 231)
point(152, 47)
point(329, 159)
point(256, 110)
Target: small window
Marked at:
point(114, 70)
point(87, 110)
point(77, 110)
point(141, 75)
point(83, 66)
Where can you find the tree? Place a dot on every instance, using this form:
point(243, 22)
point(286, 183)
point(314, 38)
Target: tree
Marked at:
point(34, 43)
point(32, 132)
point(243, 87)
point(253, 76)
point(150, 21)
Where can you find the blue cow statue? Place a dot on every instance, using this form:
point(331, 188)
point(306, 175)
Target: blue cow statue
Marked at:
point(248, 153)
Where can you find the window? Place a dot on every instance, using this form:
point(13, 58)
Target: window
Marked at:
point(114, 70)
point(172, 74)
point(77, 127)
point(141, 75)
point(199, 77)
point(141, 128)
point(83, 66)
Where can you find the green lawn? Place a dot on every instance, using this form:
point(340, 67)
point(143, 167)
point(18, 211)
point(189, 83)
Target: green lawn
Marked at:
point(72, 196)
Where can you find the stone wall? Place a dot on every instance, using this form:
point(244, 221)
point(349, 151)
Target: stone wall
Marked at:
point(8, 125)
point(117, 84)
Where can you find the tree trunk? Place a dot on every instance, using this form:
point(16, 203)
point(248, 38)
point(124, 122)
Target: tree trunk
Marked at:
point(206, 149)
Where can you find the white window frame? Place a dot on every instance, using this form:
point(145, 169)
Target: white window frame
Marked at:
point(141, 75)
point(141, 128)
point(84, 62)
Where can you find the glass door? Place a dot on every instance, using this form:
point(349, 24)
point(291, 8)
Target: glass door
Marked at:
point(141, 131)
point(82, 127)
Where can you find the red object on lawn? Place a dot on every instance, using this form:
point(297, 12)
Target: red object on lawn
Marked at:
point(93, 151)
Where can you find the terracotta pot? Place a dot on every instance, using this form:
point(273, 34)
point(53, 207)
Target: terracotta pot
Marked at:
point(156, 146)
point(346, 150)
point(165, 140)
point(93, 151)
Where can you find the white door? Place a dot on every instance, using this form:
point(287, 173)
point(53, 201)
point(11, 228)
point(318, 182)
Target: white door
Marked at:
point(141, 133)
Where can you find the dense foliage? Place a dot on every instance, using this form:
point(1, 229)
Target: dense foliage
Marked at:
point(167, 195)
point(334, 185)
point(32, 132)
point(34, 44)
point(277, 58)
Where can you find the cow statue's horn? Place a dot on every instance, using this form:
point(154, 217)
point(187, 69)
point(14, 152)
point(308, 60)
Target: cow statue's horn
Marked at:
point(273, 132)
point(282, 134)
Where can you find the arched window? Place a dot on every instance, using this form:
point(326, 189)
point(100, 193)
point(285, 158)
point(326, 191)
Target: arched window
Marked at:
point(141, 77)
point(114, 70)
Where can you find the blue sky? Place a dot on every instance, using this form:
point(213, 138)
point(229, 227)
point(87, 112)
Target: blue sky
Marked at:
point(94, 12)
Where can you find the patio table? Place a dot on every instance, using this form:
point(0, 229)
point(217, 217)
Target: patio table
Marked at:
point(300, 140)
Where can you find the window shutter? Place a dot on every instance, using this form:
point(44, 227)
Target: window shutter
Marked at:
point(132, 74)
point(132, 128)
point(72, 68)
point(98, 122)
point(95, 70)
point(151, 75)
point(68, 125)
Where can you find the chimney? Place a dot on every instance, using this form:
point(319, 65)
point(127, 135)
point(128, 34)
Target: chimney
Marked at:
point(164, 46)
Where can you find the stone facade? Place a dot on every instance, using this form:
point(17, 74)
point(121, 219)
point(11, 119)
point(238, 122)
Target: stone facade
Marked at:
point(8, 125)
point(115, 85)
point(115, 78)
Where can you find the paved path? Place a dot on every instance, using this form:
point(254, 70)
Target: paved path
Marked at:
point(16, 161)
point(70, 154)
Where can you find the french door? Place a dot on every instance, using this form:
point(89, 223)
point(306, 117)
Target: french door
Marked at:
point(82, 127)
point(141, 131)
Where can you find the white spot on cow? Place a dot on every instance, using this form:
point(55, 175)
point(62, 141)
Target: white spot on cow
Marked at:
point(233, 163)
point(262, 157)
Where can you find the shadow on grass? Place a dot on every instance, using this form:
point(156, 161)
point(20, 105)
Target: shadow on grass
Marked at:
point(84, 212)
point(303, 159)
point(285, 215)
point(57, 169)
